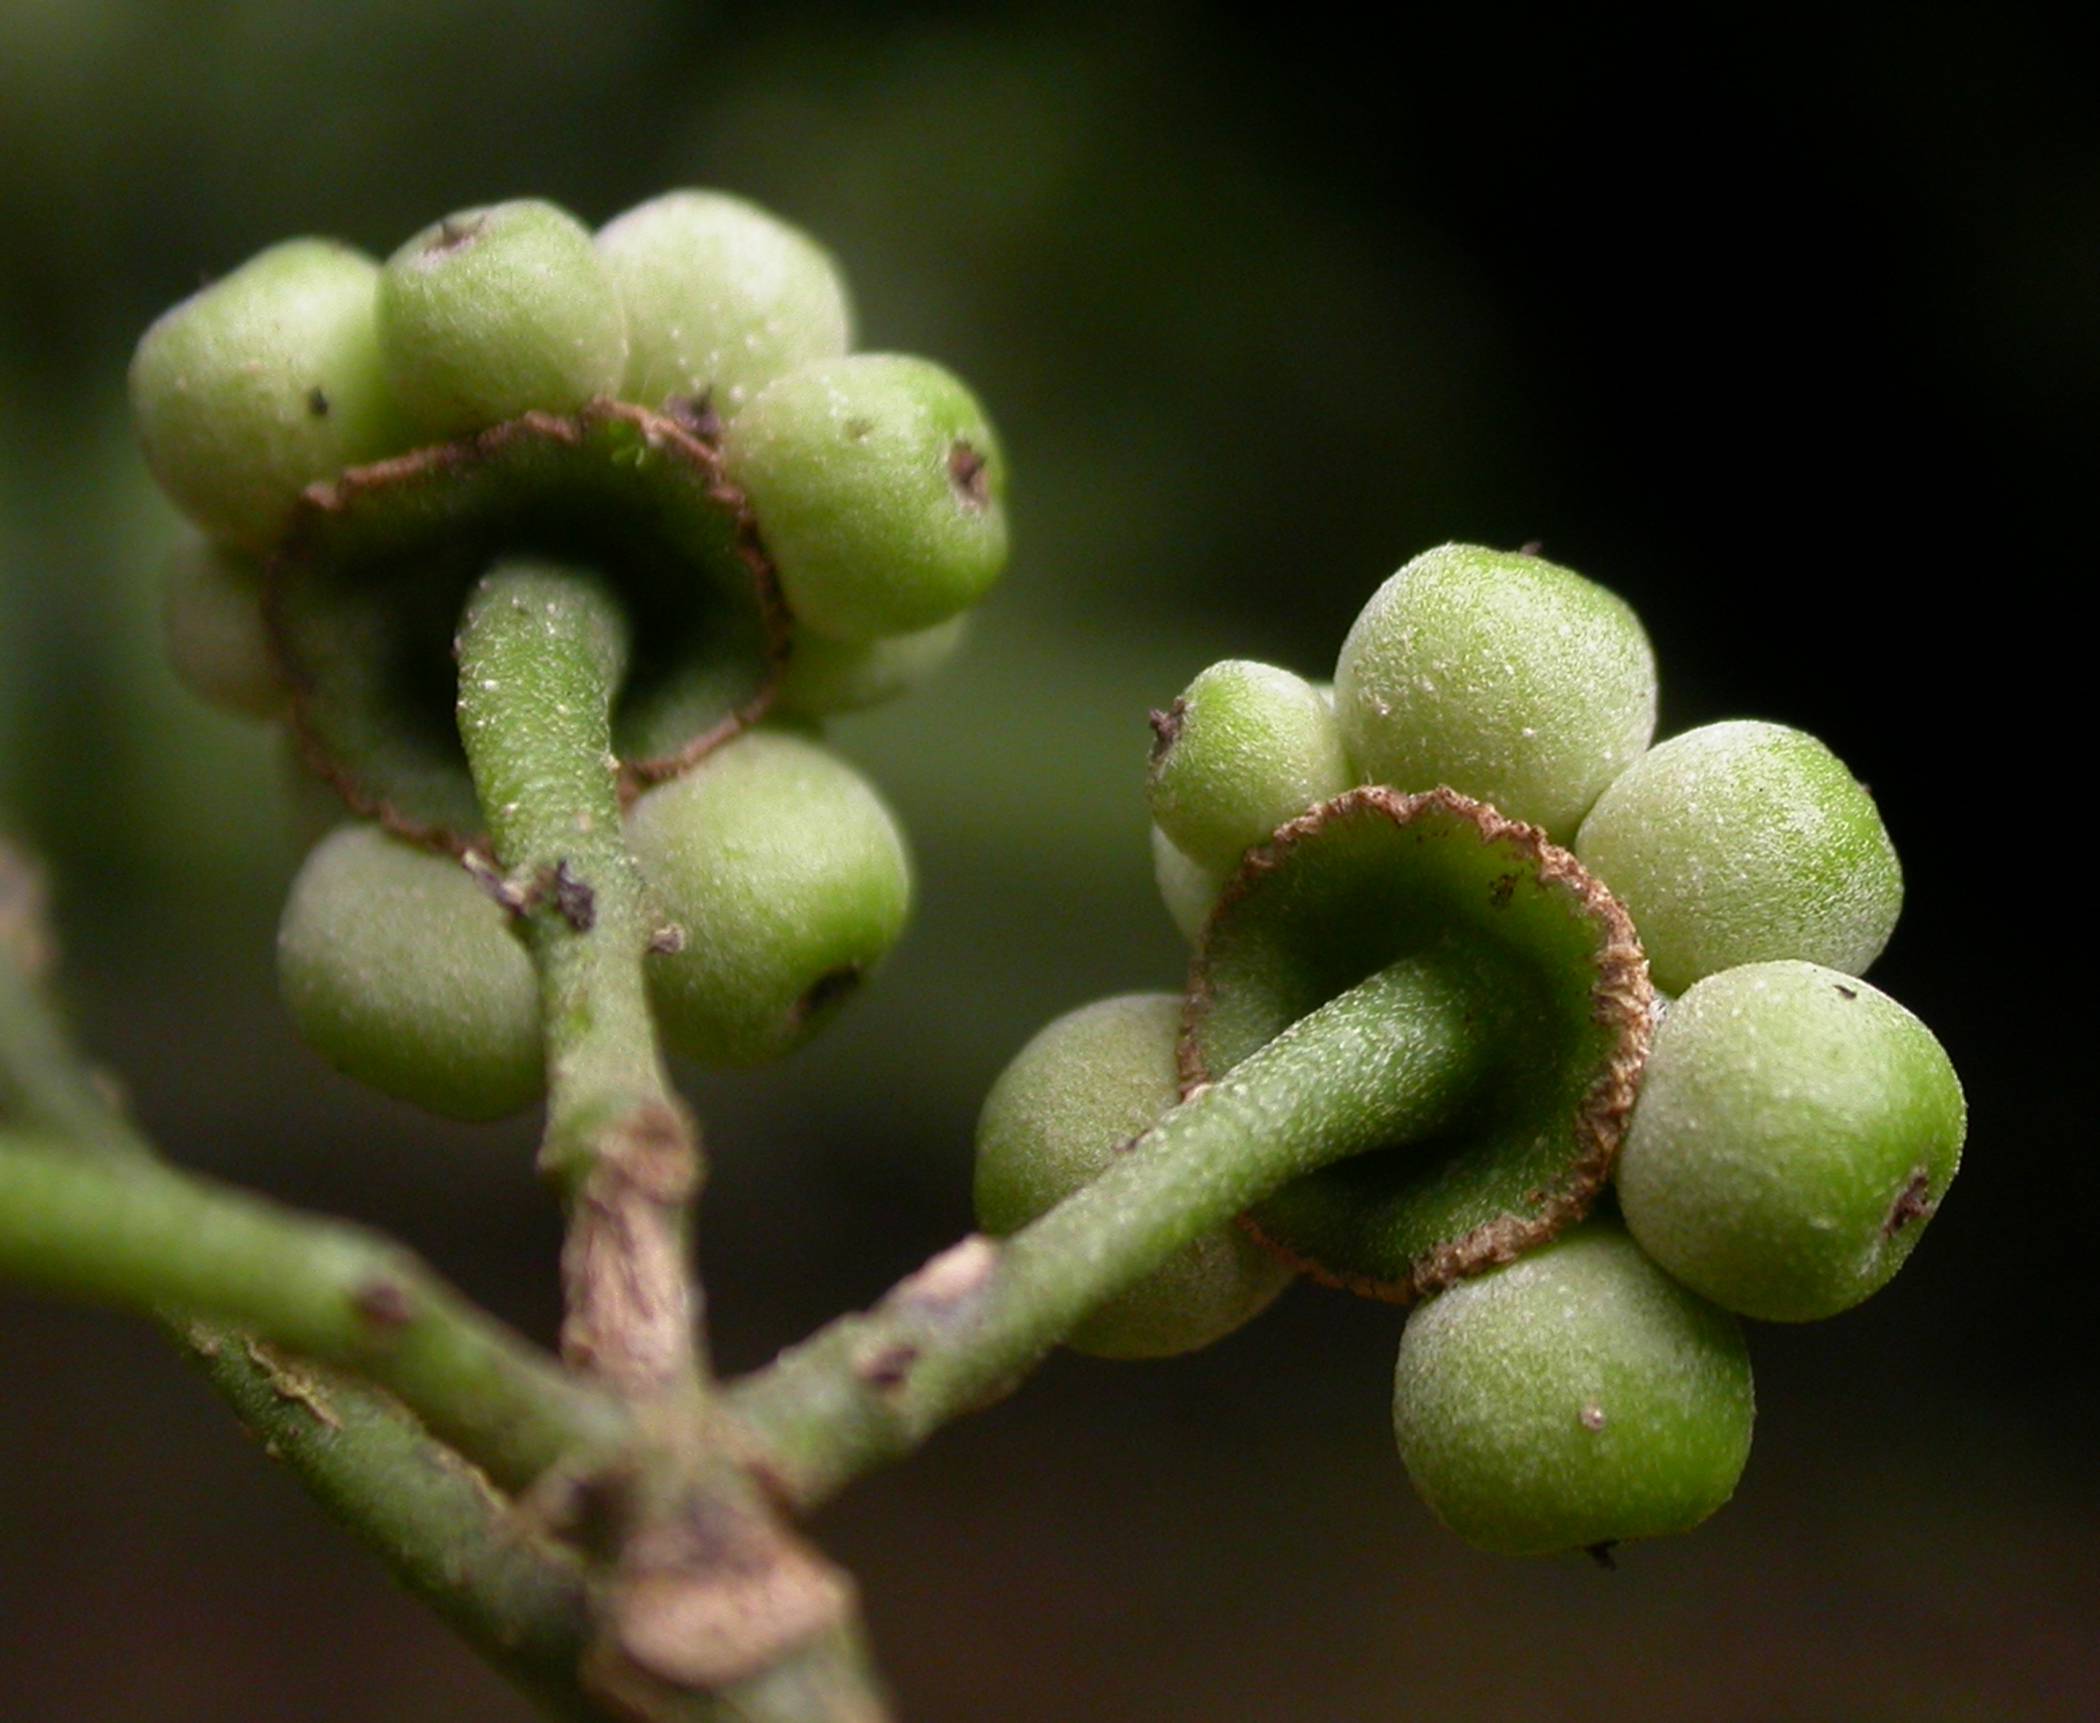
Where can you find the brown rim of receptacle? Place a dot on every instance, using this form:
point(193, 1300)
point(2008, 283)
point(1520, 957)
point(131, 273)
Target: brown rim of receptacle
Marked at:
point(689, 430)
point(1621, 997)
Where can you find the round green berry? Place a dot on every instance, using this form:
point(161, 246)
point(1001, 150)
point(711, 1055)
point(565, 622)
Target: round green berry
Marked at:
point(1245, 748)
point(721, 298)
point(1500, 675)
point(401, 971)
point(878, 487)
point(1745, 841)
point(1186, 886)
point(1573, 1398)
point(1076, 1096)
point(786, 879)
point(217, 639)
point(1796, 1130)
point(826, 676)
point(495, 311)
point(256, 386)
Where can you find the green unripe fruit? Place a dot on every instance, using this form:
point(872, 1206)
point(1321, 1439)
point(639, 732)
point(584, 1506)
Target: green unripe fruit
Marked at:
point(1745, 841)
point(1245, 748)
point(1576, 1397)
point(826, 676)
point(256, 386)
point(1796, 1131)
point(217, 639)
point(493, 312)
point(1186, 886)
point(788, 880)
point(879, 489)
point(1071, 1101)
point(721, 298)
point(1503, 676)
point(402, 972)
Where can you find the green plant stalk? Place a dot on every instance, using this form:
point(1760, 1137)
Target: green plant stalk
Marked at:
point(711, 1607)
point(143, 1236)
point(542, 650)
point(1383, 1062)
point(447, 1537)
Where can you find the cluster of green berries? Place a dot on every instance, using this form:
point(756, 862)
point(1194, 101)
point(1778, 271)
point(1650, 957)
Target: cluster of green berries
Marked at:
point(1795, 1128)
point(315, 385)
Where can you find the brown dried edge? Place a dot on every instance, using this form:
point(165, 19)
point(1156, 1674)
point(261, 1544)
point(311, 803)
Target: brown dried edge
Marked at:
point(688, 430)
point(1621, 997)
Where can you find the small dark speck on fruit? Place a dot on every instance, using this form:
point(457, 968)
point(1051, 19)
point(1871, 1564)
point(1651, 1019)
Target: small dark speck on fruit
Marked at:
point(966, 472)
point(1166, 727)
point(1602, 1556)
point(317, 401)
point(827, 990)
point(697, 414)
point(1845, 992)
point(858, 428)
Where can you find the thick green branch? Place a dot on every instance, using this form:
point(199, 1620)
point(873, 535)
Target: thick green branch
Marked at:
point(1386, 1061)
point(446, 1536)
point(144, 1237)
point(542, 650)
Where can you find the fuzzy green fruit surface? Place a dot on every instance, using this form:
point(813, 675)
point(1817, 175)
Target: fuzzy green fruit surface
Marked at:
point(879, 488)
point(788, 879)
point(1503, 676)
point(1575, 1397)
point(254, 387)
point(721, 298)
point(217, 639)
point(493, 312)
point(1796, 1130)
point(826, 676)
point(1741, 842)
point(1079, 1092)
point(1245, 748)
point(403, 973)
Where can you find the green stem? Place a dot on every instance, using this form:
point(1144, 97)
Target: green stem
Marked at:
point(449, 1539)
point(712, 1607)
point(1386, 1061)
point(542, 650)
point(143, 1236)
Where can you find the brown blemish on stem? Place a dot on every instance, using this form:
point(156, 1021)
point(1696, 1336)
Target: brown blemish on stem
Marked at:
point(1621, 998)
point(384, 1305)
point(575, 899)
point(890, 1368)
point(966, 473)
point(293, 1385)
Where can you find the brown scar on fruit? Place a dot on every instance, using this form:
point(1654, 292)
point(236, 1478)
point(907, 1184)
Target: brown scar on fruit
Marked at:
point(668, 940)
point(1845, 992)
point(453, 233)
point(1166, 727)
point(317, 401)
point(827, 990)
point(966, 469)
point(1913, 1202)
point(697, 414)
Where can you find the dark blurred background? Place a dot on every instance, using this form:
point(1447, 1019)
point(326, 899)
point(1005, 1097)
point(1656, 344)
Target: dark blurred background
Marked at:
point(1783, 327)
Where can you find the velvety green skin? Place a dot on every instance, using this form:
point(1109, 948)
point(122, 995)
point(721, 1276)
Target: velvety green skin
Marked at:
point(1795, 1132)
point(826, 676)
point(1575, 1397)
point(265, 381)
point(789, 879)
point(212, 623)
point(495, 311)
point(1081, 1090)
point(1186, 886)
point(1247, 747)
point(721, 298)
point(1742, 842)
point(1503, 676)
point(879, 488)
point(401, 971)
